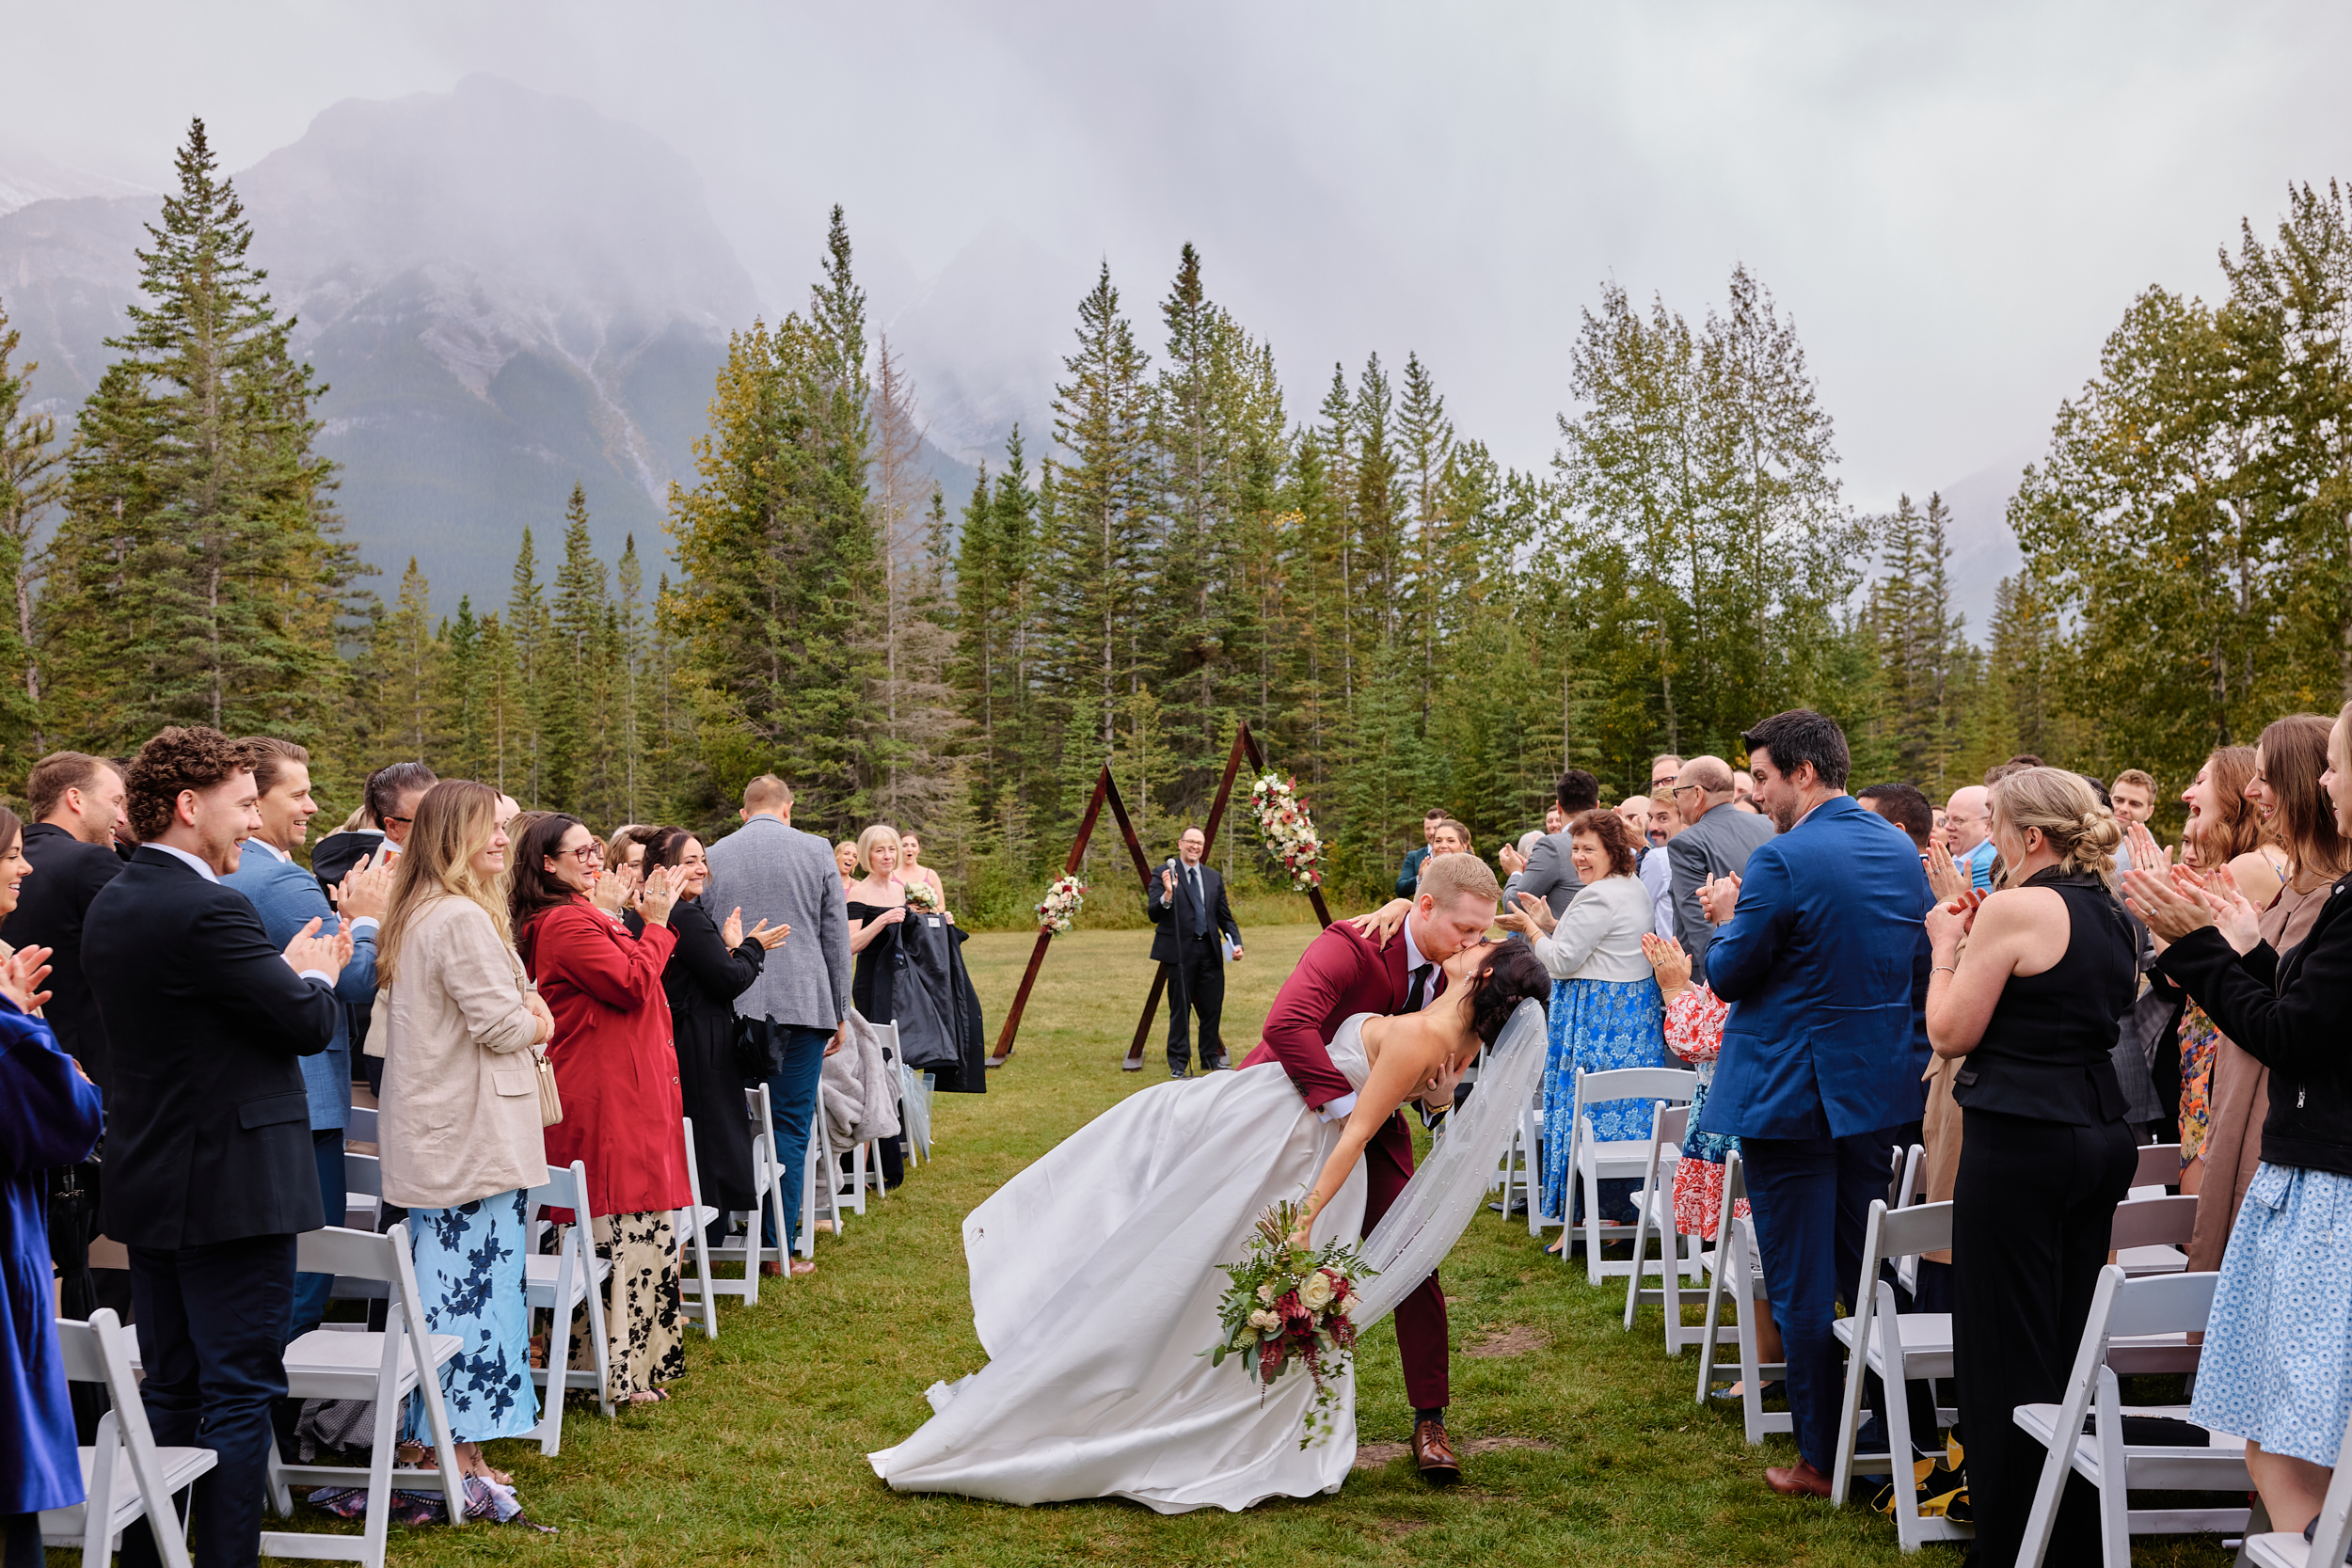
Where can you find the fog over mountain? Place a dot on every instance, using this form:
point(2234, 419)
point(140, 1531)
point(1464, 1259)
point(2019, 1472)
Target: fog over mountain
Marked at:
point(504, 291)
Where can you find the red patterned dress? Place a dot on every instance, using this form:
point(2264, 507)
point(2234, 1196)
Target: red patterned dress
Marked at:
point(1695, 1032)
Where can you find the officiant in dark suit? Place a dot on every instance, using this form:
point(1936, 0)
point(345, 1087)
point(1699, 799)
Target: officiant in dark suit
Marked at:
point(1187, 904)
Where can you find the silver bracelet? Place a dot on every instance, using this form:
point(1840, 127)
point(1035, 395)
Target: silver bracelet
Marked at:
point(1943, 969)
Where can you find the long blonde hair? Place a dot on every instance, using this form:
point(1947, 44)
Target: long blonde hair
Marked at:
point(454, 820)
point(2084, 833)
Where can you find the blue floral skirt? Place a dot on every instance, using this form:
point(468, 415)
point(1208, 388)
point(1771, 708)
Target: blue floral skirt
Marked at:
point(470, 1275)
point(2277, 1366)
point(1597, 1025)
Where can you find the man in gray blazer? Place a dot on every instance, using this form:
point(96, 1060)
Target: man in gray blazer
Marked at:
point(1546, 870)
point(774, 872)
point(1716, 839)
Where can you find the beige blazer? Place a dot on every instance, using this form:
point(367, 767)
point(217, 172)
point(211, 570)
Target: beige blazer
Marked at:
point(460, 1105)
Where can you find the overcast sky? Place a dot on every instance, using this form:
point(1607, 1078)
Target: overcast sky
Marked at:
point(1956, 203)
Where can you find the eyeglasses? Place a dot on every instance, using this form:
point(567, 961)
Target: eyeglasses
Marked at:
point(587, 854)
point(388, 821)
point(1666, 783)
point(1680, 788)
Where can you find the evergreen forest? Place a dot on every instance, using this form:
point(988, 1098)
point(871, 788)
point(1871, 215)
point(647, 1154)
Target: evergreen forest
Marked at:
point(1403, 619)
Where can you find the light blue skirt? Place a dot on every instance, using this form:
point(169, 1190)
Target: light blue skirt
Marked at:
point(470, 1275)
point(1595, 1026)
point(2277, 1367)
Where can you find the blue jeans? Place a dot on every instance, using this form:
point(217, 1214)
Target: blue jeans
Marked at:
point(310, 1289)
point(799, 1054)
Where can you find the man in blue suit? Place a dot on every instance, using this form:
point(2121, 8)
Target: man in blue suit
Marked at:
point(1816, 951)
point(287, 897)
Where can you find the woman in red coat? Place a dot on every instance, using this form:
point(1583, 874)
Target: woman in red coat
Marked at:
point(617, 1073)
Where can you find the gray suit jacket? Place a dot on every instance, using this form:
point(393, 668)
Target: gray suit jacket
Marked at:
point(1550, 876)
point(776, 873)
point(1717, 844)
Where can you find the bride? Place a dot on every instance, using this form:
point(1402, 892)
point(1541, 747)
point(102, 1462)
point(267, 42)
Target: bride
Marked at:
point(1095, 1277)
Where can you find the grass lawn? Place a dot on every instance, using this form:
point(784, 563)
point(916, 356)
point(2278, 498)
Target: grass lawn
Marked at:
point(1599, 1455)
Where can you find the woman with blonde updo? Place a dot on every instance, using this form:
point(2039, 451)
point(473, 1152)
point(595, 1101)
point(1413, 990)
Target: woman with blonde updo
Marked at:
point(2028, 987)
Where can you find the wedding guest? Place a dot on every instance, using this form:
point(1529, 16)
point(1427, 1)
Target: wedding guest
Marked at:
point(616, 1070)
point(2286, 795)
point(1816, 952)
point(1905, 807)
point(387, 805)
point(209, 1173)
point(1554, 819)
point(1743, 791)
point(49, 1116)
point(1545, 871)
point(1452, 838)
point(845, 859)
point(1969, 834)
point(1605, 1011)
point(1635, 810)
point(458, 1125)
point(802, 997)
point(1716, 840)
point(2277, 1365)
point(714, 962)
point(2033, 1003)
point(1409, 878)
point(77, 800)
point(2134, 795)
point(912, 870)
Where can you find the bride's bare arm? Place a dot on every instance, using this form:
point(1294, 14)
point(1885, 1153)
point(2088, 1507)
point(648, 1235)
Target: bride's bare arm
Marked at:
point(1396, 1077)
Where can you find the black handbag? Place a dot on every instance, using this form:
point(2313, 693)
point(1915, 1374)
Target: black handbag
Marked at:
point(755, 1058)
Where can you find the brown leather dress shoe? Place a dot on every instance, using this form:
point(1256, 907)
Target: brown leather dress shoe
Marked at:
point(1433, 1453)
point(1803, 1480)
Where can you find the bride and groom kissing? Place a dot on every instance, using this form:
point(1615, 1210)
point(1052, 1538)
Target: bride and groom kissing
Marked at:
point(1095, 1272)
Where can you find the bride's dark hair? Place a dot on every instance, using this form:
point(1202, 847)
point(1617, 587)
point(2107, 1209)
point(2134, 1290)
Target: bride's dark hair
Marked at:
point(1508, 975)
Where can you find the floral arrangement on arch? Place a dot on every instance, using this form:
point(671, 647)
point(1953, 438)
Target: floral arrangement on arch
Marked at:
point(1289, 831)
point(1289, 1306)
point(1058, 910)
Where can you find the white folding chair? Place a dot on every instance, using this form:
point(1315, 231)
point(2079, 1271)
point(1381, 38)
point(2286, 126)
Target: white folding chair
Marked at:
point(2331, 1533)
point(768, 1201)
point(1735, 1261)
point(2150, 1232)
point(337, 1364)
point(126, 1477)
point(1654, 1220)
point(917, 1102)
point(2159, 1168)
point(556, 1283)
point(363, 1193)
point(1593, 1160)
point(691, 1223)
point(1900, 1347)
point(2129, 1310)
point(1522, 1168)
point(1907, 1192)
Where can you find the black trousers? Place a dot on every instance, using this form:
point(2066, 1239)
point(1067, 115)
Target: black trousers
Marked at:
point(1197, 987)
point(212, 1327)
point(2032, 1204)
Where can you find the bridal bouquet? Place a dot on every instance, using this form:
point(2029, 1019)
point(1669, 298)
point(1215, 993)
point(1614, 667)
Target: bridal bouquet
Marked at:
point(1059, 908)
point(921, 898)
point(1289, 831)
point(1291, 1305)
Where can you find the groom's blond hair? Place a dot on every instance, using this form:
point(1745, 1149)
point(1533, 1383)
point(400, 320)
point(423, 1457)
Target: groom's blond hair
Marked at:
point(1446, 877)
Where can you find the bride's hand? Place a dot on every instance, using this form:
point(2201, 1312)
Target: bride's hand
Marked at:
point(1382, 922)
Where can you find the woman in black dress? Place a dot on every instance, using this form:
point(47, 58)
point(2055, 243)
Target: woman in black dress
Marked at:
point(712, 964)
point(2031, 1003)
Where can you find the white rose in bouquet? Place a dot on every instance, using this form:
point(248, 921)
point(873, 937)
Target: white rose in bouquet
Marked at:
point(1265, 1323)
point(1315, 1294)
point(1266, 1293)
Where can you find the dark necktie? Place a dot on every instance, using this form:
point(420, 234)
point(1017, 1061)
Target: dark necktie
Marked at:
point(1421, 980)
point(1200, 904)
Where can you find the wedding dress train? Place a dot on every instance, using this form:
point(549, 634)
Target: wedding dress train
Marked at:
point(1095, 1281)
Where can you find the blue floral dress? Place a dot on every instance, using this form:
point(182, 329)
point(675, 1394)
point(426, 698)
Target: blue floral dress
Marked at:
point(1595, 1026)
point(2277, 1367)
point(470, 1275)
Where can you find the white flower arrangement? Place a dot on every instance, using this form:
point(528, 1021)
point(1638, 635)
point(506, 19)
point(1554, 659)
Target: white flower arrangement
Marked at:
point(1288, 830)
point(1058, 910)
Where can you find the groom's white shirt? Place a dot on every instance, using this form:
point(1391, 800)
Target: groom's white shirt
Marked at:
point(1339, 1110)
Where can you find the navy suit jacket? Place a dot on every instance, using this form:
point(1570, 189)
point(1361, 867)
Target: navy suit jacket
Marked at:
point(1819, 964)
point(287, 898)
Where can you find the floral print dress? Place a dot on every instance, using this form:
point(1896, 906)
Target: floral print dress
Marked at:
point(1695, 1032)
point(469, 1277)
point(1595, 1026)
point(2201, 1041)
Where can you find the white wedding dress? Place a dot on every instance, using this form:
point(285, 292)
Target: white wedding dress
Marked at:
point(1096, 1278)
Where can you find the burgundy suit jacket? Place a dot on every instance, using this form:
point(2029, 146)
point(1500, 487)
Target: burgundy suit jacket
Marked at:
point(1340, 975)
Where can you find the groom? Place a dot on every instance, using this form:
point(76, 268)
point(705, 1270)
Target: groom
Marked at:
point(1340, 975)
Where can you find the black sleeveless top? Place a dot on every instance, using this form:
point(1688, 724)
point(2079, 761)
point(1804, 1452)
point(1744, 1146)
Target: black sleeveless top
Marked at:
point(2046, 1050)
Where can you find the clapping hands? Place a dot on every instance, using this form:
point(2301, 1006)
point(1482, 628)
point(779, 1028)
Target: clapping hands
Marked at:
point(2175, 900)
point(657, 894)
point(1667, 961)
point(1946, 880)
point(21, 975)
point(768, 937)
point(1719, 896)
point(366, 893)
point(1532, 918)
point(310, 951)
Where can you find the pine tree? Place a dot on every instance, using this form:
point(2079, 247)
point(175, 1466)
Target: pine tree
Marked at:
point(462, 695)
point(200, 576)
point(628, 701)
point(570, 703)
point(30, 482)
point(408, 656)
point(527, 648)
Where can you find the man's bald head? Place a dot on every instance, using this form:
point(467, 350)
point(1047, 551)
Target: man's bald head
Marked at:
point(1968, 818)
point(1704, 783)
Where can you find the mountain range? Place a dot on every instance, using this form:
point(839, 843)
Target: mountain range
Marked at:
point(504, 293)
